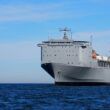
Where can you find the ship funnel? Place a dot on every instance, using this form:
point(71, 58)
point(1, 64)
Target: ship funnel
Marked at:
point(65, 30)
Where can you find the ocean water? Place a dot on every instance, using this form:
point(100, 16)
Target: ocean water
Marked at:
point(51, 97)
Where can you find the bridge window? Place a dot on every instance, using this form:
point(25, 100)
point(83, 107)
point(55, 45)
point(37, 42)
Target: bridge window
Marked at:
point(83, 47)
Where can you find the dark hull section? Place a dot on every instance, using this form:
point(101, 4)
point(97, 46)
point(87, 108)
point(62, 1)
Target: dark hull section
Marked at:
point(48, 68)
point(82, 83)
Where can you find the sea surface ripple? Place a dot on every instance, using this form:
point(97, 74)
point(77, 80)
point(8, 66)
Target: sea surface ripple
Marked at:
point(51, 97)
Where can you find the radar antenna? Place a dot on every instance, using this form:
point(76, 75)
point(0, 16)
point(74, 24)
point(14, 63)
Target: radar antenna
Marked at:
point(65, 30)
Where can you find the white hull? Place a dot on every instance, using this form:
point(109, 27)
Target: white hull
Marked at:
point(75, 74)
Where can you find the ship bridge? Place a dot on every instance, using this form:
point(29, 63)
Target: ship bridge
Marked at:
point(66, 51)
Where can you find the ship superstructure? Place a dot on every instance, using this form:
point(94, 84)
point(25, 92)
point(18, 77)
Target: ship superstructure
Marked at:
point(74, 62)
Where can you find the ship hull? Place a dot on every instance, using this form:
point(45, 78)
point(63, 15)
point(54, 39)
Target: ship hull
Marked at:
point(77, 75)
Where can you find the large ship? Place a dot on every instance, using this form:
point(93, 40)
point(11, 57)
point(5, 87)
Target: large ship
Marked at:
point(72, 62)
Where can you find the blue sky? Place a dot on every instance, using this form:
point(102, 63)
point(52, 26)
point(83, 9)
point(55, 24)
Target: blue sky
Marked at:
point(24, 23)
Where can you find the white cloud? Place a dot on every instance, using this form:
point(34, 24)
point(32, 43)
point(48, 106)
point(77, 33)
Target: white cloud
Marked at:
point(39, 12)
point(99, 1)
point(19, 51)
point(30, 12)
point(20, 63)
point(96, 34)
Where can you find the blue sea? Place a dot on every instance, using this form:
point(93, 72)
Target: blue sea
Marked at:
point(52, 97)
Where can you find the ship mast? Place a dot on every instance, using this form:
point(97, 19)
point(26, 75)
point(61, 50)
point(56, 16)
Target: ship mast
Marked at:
point(65, 30)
